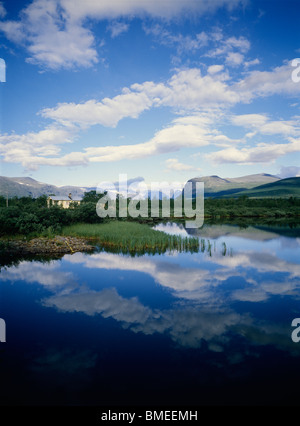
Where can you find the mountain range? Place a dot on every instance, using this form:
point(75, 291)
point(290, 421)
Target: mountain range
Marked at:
point(257, 185)
point(28, 187)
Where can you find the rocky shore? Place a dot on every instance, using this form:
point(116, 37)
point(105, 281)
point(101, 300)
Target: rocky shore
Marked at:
point(48, 246)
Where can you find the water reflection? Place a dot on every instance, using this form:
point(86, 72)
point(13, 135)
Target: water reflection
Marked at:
point(185, 326)
point(238, 305)
point(64, 363)
point(46, 274)
point(256, 232)
point(203, 289)
point(204, 278)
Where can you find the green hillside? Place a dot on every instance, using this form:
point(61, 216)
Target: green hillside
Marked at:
point(256, 186)
point(289, 187)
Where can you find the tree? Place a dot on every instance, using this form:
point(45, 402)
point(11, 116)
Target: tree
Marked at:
point(91, 197)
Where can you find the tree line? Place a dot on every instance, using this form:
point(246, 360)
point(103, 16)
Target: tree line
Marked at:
point(27, 215)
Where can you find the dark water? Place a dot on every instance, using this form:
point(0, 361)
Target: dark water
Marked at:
point(209, 328)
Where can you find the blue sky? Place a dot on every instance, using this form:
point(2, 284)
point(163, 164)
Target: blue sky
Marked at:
point(166, 90)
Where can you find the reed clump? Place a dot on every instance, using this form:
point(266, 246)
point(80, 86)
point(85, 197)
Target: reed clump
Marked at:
point(130, 237)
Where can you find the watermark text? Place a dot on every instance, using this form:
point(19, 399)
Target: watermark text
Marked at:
point(296, 71)
point(2, 331)
point(136, 200)
point(2, 71)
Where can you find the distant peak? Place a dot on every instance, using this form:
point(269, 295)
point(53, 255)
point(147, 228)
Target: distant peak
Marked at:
point(266, 174)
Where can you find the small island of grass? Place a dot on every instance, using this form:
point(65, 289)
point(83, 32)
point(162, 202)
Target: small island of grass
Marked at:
point(124, 237)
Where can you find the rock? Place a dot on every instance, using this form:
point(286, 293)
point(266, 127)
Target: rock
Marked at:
point(41, 245)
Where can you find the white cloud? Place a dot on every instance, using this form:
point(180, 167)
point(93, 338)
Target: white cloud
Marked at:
point(262, 124)
point(52, 40)
point(249, 120)
point(267, 83)
point(108, 9)
point(289, 171)
point(241, 43)
point(188, 93)
point(183, 43)
point(232, 49)
point(192, 131)
point(116, 28)
point(234, 58)
point(174, 164)
point(261, 153)
point(34, 148)
point(43, 148)
point(56, 34)
point(187, 89)
point(108, 112)
point(214, 69)
point(13, 31)
point(255, 61)
point(69, 48)
point(2, 10)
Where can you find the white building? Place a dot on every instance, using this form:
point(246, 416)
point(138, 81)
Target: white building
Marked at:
point(58, 200)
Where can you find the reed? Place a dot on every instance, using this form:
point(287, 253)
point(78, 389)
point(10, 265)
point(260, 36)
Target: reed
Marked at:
point(131, 237)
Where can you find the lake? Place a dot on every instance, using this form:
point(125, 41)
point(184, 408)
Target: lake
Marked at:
point(206, 328)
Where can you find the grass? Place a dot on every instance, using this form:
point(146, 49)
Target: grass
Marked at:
point(130, 237)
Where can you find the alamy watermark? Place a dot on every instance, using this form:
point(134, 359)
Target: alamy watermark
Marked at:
point(136, 200)
point(296, 71)
point(2, 71)
point(296, 332)
point(2, 331)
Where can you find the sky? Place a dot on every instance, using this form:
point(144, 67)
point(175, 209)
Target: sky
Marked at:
point(165, 90)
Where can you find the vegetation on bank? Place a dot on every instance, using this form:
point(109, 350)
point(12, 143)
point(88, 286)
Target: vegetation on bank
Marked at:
point(25, 218)
point(244, 207)
point(31, 217)
point(127, 237)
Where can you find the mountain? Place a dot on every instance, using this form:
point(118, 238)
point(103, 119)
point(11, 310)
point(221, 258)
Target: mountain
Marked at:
point(28, 187)
point(254, 179)
point(216, 187)
point(258, 185)
point(289, 187)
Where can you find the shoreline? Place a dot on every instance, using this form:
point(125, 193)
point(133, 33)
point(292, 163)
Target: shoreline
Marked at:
point(112, 239)
point(47, 246)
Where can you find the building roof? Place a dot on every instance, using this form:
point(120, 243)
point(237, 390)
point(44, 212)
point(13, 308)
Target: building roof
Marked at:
point(61, 198)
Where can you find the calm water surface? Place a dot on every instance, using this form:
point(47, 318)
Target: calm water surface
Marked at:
point(212, 327)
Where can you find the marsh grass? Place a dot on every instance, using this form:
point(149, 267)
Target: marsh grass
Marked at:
point(130, 237)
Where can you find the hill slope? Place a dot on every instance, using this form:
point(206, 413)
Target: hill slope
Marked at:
point(28, 187)
point(289, 187)
point(259, 185)
point(217, 187)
